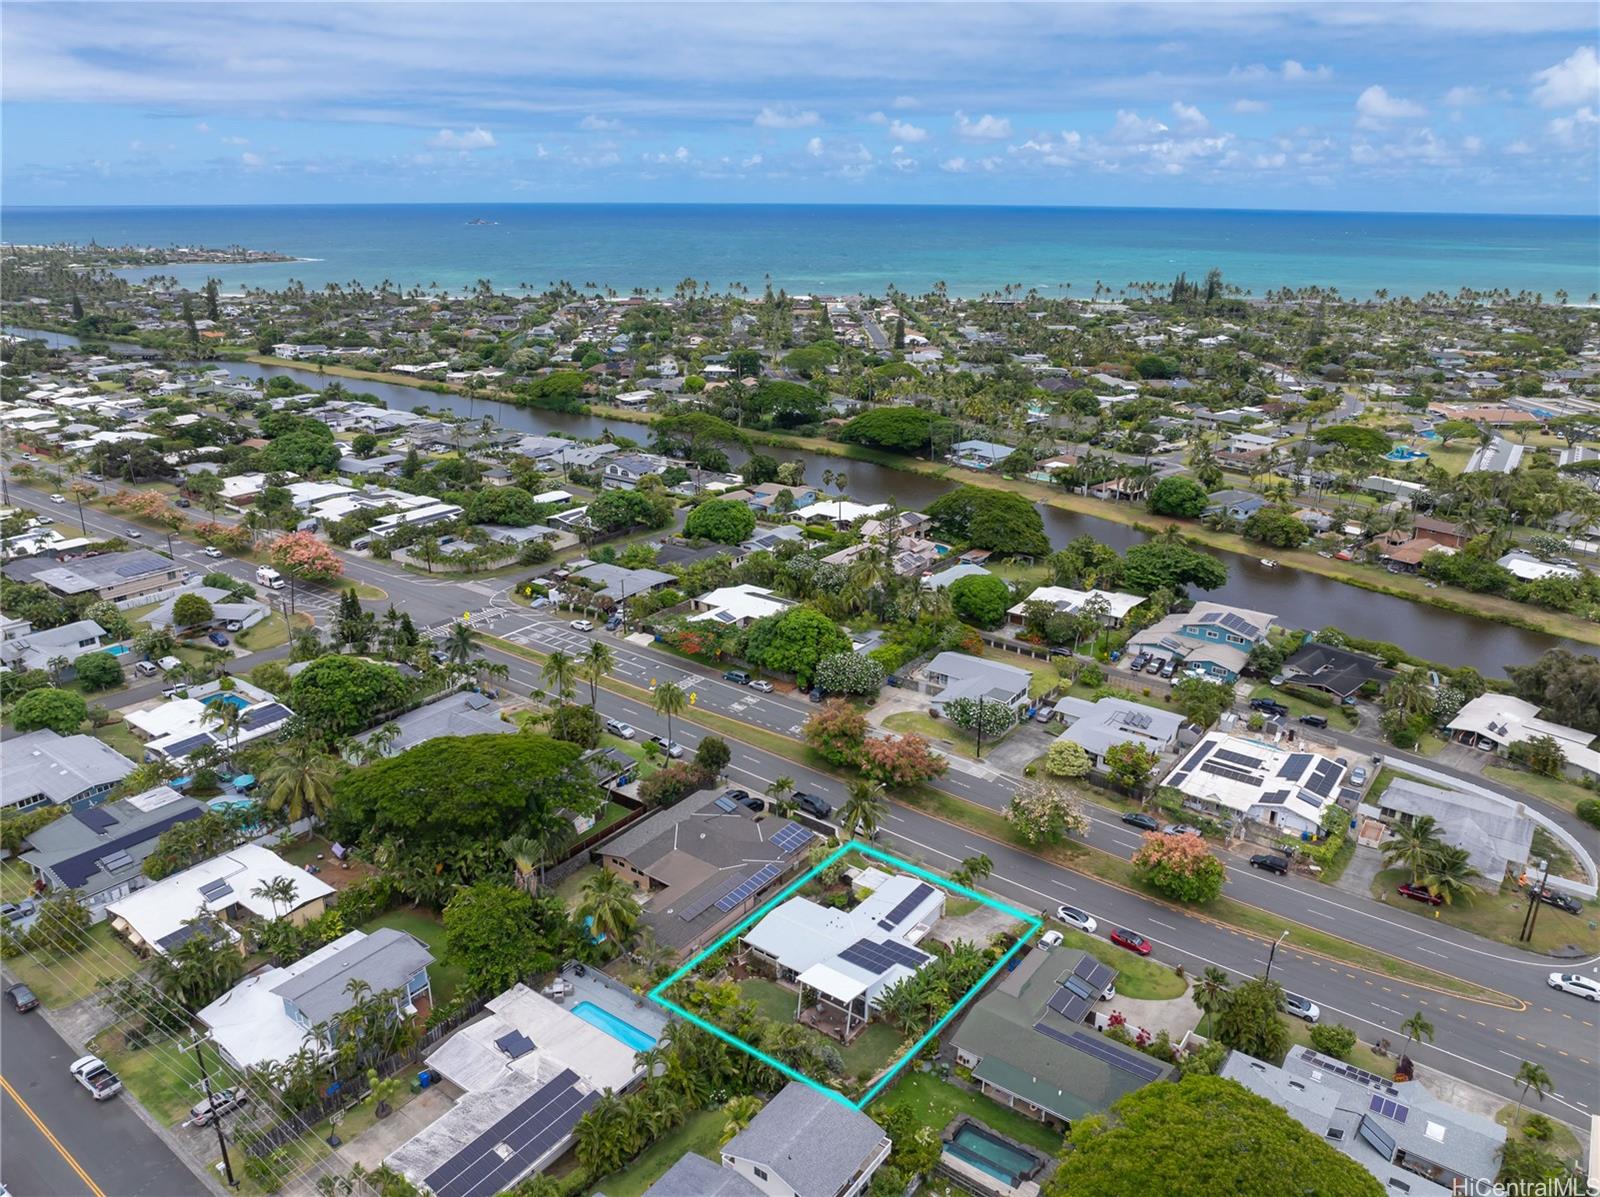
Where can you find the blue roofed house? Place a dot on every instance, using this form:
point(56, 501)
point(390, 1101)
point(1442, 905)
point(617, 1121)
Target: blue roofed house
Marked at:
point(980, 455)
point(1212, 638)
point(1235, 504)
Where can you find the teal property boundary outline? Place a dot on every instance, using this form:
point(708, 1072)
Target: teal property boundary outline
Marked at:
point(658, 994)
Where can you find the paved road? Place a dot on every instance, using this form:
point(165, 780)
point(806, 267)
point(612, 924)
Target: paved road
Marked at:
point(57, 1141)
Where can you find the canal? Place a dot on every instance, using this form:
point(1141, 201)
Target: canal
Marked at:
point(1296, 598)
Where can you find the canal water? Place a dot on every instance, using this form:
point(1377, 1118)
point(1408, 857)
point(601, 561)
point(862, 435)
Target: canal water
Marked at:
point(1298, 599)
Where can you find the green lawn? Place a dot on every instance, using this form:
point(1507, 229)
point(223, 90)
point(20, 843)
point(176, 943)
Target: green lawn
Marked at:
point(413, 920)
point(164, 1079)
point(1562, 1141)
point(946, 735)
point(64, 980)
point(699, 1133)
point(1045, 675)
point(1136, 976)
point(1361, 1056)
point(16, 881)
point(936, 1103)
point(771, 999)
point(120, 736)
point(872, 1050)
point(1555, 790)
point(634, 749)
point(1299, 706)
point(1546, 847)
point(1499, 916)
point(269, 633)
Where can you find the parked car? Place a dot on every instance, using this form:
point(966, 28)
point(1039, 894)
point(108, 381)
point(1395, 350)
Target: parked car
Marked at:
point(1170, 668)
point(737, 676)
point(211, 550)
point(233, 625)
point(1358, 776)
point(753, 803)
point(1301, 1007)
point(1155, 664)
point(613, 623)
point(813, 804)
point(736, 795)
point(671, 747)
point(1418, 893)
point(1270, 862)
point(1270, 706)
point(761, 686)
point(1082, 920)
point(218, 1105)
point(1139, 662)
point(183, 503)
point(581, 625)
point(1134, 942)
point(618, 728)
point(816, 695)
point(58, 498)
point(1135, 818)
point(22, 998)
point(1559, 900)
point(1314, 720)
point(218, 639)
point(1044, 715)
point(1180, 829)
point(1577, 984)
point(132, 533)
point(91, 1072)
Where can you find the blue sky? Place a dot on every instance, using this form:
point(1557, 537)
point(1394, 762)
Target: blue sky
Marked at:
point(1397, 106)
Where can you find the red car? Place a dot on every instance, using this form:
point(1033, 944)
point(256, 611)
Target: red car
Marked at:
point(1418, 893)
point(1127, 939)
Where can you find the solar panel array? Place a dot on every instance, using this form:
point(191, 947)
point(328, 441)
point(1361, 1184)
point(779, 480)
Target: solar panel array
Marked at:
point(1381, 1140)
point(261, 716)
point(876, 957)
point(95, 819)
point(1239, 625)
point(115, 861)
point(726, 805)
point(211, 891)
point(482, 1168)
point(1230, 773)
point(792, 838)
point(908, 903)
point(1389, 1107)
point(515, 1044)
point(1238, 758)
point(1142, 1067)
point(1350, 1071)
point(1322, 778)
point(748, 886)
point(1295, 765)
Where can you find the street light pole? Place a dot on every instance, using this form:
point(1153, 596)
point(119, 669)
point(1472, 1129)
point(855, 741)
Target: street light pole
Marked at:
point(1271, 953)
point(1531, 918)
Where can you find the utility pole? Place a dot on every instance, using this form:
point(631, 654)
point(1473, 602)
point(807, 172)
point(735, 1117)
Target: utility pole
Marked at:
point(1531, 918)
point(979, 754)
point(198, 1047)
point(1272, 952)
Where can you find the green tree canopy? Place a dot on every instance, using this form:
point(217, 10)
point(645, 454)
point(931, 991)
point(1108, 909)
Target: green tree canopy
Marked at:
point(620, 510)
point(1364, 442)
point(61, 711)
point(990, 519)
point(898, 429)
point(498, 934)
point(1276, 526)
point(98, 671)
point(726, 521)
point(1183, 497)
point(980, 599)
point(794, 641)
point(1203, 1137)
point(191, 610)
point(509, 505)
point(338, 695)
point(1160, 564)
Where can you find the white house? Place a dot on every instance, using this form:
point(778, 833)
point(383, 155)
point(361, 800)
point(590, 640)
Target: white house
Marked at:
point(1494, 722)
point(961, 676)
point(1066, 599)
point(738, 605)
point(1260, 782)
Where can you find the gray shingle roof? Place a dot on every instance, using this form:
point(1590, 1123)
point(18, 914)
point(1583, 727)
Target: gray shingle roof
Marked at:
point(815, 1143)
point(59, 767)
point(385, 959)
point(695, 1176)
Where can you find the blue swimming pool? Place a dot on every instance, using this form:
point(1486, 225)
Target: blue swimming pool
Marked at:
point(619, 1029)
point(991, 1154)
point(1403, 453)
point(117, 650)
point(238, 701)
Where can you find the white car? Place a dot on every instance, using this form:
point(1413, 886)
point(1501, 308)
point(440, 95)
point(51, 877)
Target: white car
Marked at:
point(1575, 983)
point(581, 625)
point(132, 533)
point(211, 550)
point(1301, 1007)
point(1082, 920)
point(618, 728)
point(761, 686)
point(58, 498)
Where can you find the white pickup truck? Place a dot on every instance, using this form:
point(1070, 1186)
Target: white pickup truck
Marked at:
point(94, 1076)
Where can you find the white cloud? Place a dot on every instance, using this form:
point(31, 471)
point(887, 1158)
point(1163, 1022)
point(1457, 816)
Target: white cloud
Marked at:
point(1294, 72)
point(202, 127)
point(599, 124)
point(985, 128)
point(752, 160)
point(235, 141)
point(1472, 144)
point(906, 131)
point(252, 160)
point(1464, 97)
point(955, 166)
point(1518, 147)
point(1130, 126)
point(1572, 129)
point(901, 161)
point(814, 147)
point(1247, 106)
point(1189, 118)
point(1573, 82)
point(1375, 106)
point(476, 138)
point(905, 102)
point(786, 118)
point(1271, 161)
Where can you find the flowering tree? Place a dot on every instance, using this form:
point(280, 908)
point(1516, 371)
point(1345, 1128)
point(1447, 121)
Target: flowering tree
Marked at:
point(304, 556)
point(1042, 812)
point(847, 673)
point(1130, 765)
point(901, 760)
point(1066, 759)
point(152, 505)
point(1179, 866)
point(694, 641)
point(228, 536)
point(838, 732)
point(991, 720)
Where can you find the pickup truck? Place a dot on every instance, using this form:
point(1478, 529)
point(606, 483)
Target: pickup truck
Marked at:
point(94, 1076)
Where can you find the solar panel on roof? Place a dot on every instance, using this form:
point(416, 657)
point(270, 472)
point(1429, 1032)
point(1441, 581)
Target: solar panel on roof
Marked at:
point(862, 955)
point(1238, 758)
point(115, 861)
point(1143, 1068)
point(515, 1044)
point(1199, 753)
point(1211, 617)
point(75, 870)
point(909, 903)
point(212, 890)
point(792, 838)
point(95, 819)
point(1295, 765)
point(514, 1145)
point(1069, 1005)
point(1225, 771)
point(1380, 1140)
point(726, 805)
point(1389, 1108)
point(1322, 779)
point(748, 886)
point(261, 716)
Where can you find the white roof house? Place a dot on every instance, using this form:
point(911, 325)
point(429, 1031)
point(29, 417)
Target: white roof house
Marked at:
point(1495, 832)
point(1097, 726)
point(851, 956)
point(1498, 721)
point(180, 726)
point(1070, 601)
point(1260, 782)
point(738, 605)
point(1530, 569)
point(157, 916)
point(840, 512)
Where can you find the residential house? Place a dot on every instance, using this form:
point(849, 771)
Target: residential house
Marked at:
point(1407, 556)
point(1439, 531)
point(1097, 726)
point(700, 865)
point(1411, 1141)
point(738, 606)
point(272, 1014)
point(1493, 722)
point(980, 455)
point(1335, 671)
point(1211, 637)
point(623, 471)
point(100, 850)
point(1528, 568)
point(618, 584)
point(1028, 1048)
point(37, 649)
point(1235, 777)
point(42, 767)
point(960, 676)
point(1496, 415)
point(762, 498)
point(1499, 456)
point(113, 577)
point(1235, 504)
point(1065, 600)
point(802, 1144)
point(1396, 488)
point(840, 513)
point(466, 713)
point(1496, 833)
point(213, 898)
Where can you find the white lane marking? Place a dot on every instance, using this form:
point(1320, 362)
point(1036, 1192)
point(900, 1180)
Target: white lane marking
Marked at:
point(1159, 923)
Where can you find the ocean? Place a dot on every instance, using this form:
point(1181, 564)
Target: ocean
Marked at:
point(842, 249)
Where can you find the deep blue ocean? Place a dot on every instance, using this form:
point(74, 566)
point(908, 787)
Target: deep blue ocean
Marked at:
point(845, 249)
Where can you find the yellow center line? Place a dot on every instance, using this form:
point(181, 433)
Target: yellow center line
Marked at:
point(44, 1130)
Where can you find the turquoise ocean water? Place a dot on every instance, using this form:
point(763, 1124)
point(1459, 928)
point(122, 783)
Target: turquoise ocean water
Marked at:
point(844, 249)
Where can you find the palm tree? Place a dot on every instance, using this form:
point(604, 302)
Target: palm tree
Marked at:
point(597, 662)
point(1530, 1076)
point(524, 853)
point(1449, 875)
point(299, 780)
point(1409, 693)
point(461, 645)
point(279, 889)
point(1210, 991)
point(609, 907)
point(740, 1110)
point(669, 701)
point(781, 791)
point(376, 746)
point(1414, 844)
point(558, 672)
point(863, 810)
point(226, 716)
point(972, 870)
point(1418, 1028)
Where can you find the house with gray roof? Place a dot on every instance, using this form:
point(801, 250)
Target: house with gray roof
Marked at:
point(1336, 671)
point(1499, 456)
point(802, 1144)
point(110, 576)
point(1407, 1138)
point(1097, 726)
point(385, 959)
point(44, 767)
point(466, 713)
point(959, 676)
point(616, 583)
point(36, 649)
point(1496, 833)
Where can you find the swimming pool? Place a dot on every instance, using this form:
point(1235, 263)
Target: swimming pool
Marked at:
point(237, 701)
point(975, 1146)
point(117, 650)
point(619, 1029)
point(1402, 453)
